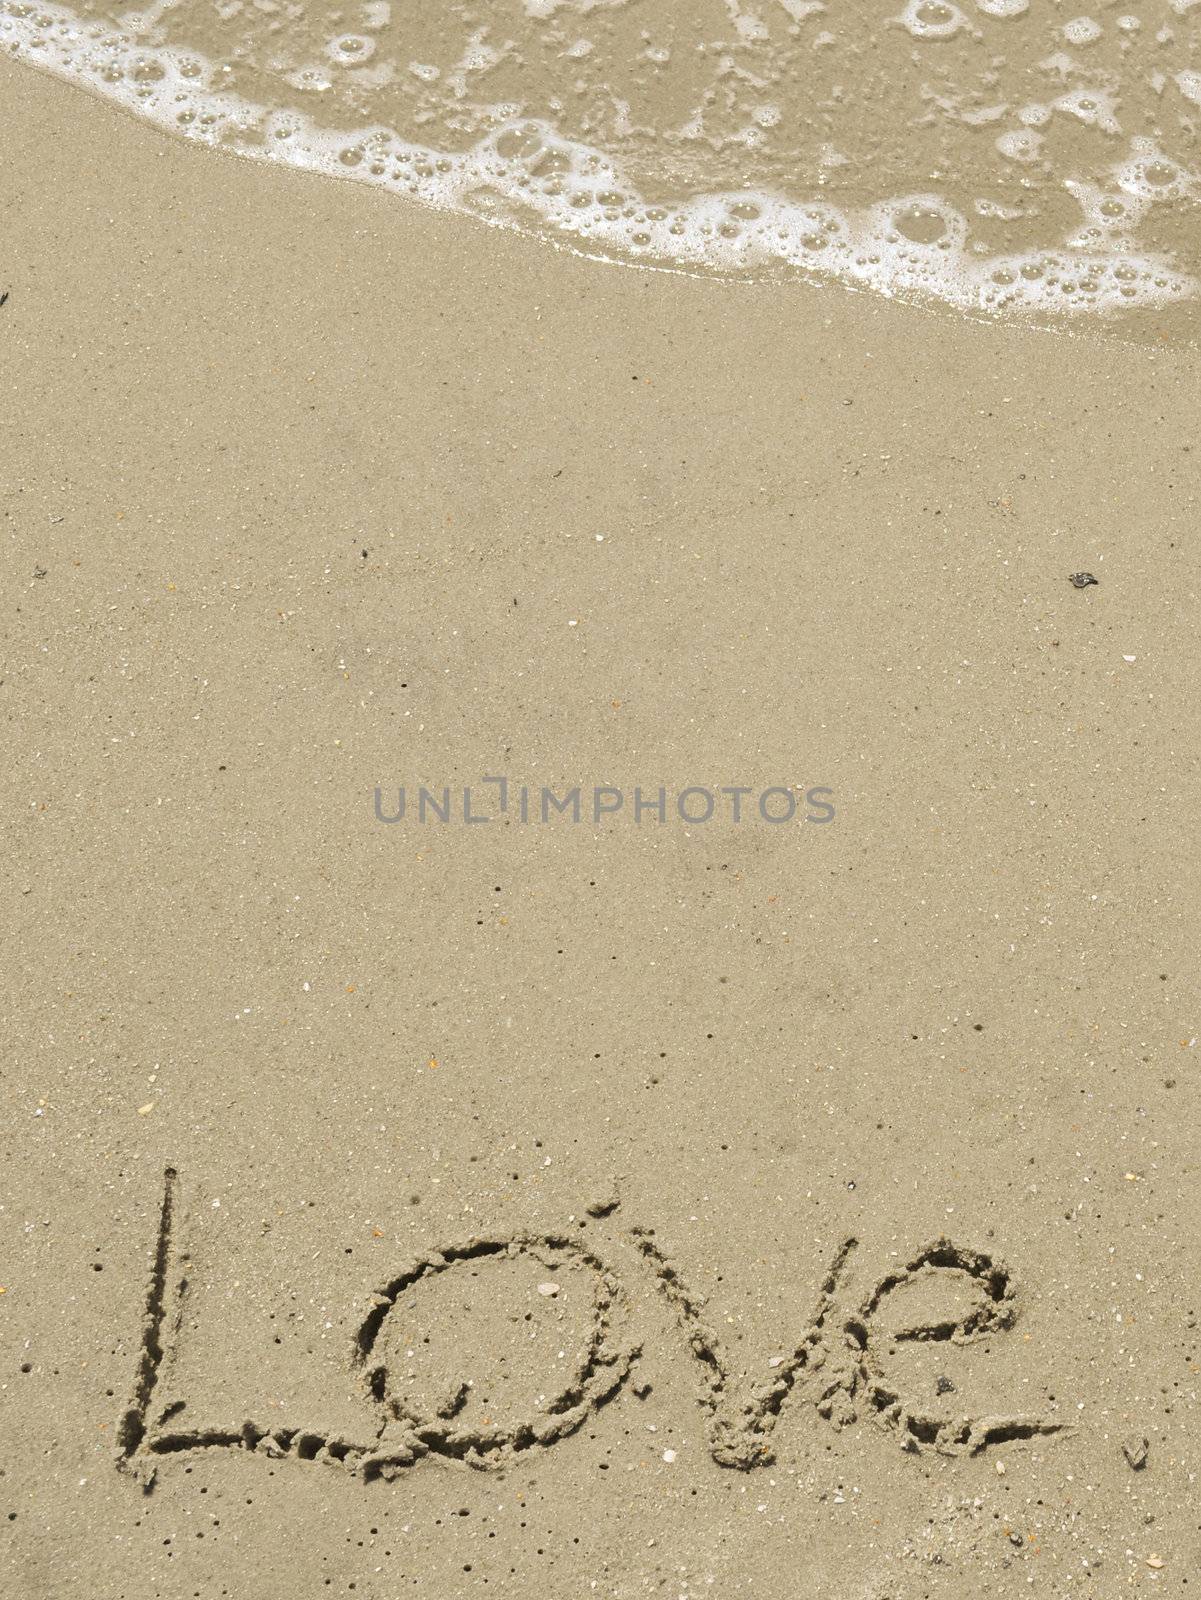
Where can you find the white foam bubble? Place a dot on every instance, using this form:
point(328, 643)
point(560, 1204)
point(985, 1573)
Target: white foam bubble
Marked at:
point(1094, 107)
point(1082, 30)
point(350, 49)
point(932, 19)
point(1020, 144)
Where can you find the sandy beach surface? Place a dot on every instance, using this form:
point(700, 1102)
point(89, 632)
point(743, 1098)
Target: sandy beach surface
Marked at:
point(620, 1207)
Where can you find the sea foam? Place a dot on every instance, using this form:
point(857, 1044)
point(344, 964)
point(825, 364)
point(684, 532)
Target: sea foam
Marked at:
point(986, 231)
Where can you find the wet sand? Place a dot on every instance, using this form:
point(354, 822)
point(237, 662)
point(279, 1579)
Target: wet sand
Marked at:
point(307, 491)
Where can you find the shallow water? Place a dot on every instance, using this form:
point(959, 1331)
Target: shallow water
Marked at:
point(1006, 155)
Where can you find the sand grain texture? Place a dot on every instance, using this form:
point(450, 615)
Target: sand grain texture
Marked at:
point(764, 1183)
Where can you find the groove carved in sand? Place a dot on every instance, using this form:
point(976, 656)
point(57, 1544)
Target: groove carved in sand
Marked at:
point(738, 1431)
point(995, 1311)
point(839, 1362)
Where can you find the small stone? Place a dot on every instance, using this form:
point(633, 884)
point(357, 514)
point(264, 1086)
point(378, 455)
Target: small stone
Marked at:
point(603, 1205)
point(548, 1289)
point(669, 1456)
point(1155, 1561)
point(1083, 580)
point(943, 1386)
point(1135, 1450)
